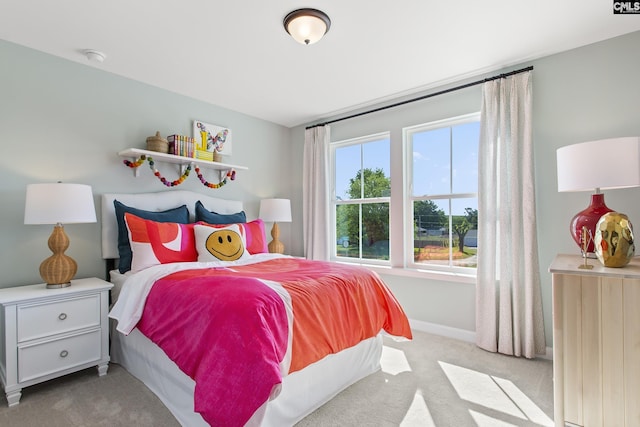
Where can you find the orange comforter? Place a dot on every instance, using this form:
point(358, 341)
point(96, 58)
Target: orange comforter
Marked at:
point(335, 305)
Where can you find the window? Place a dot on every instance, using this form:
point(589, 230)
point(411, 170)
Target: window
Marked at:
point(428, 220)
point(442, 186)
point(361, 195)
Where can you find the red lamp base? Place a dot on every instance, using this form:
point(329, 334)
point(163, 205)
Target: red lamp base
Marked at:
point(589, 218)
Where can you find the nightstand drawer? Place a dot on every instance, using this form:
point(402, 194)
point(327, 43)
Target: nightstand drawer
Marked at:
point(54, 317)
point(37, 360)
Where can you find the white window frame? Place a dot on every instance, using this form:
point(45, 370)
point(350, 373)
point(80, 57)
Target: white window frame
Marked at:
point(334, 201)
point(407, 132)
point(400, 253)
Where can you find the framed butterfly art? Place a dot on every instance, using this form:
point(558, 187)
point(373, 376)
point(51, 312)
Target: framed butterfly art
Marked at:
point(212, 138)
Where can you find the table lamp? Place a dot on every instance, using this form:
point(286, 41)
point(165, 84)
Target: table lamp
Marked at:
point(275, 210)
point(594, 166)
point(58, 204)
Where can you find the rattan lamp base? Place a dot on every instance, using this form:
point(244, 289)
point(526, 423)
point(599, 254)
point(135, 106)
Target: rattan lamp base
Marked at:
point(58, 270)
point(275, 246)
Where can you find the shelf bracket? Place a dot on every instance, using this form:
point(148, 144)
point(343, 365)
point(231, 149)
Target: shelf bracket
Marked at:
point(136, 172)
point(183, 167)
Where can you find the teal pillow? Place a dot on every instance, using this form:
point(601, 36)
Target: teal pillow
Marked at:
point(179, 215)
point(202, 214)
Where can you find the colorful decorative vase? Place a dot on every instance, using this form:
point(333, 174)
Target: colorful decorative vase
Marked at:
point(614, 245)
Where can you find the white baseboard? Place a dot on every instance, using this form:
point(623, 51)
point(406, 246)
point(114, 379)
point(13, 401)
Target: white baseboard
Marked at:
point(458, 334)
point(548, 355)
point(445, 331)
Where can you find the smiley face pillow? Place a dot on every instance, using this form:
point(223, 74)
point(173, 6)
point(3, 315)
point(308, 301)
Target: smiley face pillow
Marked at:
point(220, 244)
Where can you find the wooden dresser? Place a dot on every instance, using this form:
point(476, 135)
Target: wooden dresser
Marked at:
point(596, 343)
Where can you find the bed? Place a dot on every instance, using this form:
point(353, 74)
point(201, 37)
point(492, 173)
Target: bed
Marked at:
point(220, 378)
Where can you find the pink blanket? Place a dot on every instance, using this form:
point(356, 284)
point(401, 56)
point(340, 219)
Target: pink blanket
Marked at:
point(228, 335)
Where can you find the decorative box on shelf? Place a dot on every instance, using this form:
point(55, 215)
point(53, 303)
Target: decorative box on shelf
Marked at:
point(157, 143)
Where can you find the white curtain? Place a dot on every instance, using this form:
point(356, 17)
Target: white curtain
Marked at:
point(315, 196)
point(508, 298)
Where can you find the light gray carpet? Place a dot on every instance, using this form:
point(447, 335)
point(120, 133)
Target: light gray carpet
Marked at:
point(444, 383)
point(430, 381)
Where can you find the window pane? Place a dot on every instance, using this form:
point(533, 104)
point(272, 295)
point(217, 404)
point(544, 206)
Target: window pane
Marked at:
point(348, 164)
point(464, 217)
point(348, 231)
point(428, 218)
point(465, 157)
point(431, 162)
point(375, 231)
point(431, 238)
point(376, 159)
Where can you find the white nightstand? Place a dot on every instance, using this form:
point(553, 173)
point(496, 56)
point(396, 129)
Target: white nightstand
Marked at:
point(47, 333)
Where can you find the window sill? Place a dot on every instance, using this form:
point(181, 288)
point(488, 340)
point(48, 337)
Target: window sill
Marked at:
point(445, 276)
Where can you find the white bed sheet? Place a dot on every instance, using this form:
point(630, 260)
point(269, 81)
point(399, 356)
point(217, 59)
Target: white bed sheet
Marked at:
point(118, 280)
point(302, 392)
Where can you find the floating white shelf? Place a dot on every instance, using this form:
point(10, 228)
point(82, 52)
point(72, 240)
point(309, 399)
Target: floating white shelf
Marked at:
point(134, 153)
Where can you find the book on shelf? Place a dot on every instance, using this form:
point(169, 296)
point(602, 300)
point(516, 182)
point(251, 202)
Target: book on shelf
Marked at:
point(182, 145)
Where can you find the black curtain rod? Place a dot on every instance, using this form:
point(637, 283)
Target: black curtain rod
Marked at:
point(442, 92)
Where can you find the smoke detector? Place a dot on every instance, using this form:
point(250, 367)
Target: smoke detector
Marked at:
point(94, 55)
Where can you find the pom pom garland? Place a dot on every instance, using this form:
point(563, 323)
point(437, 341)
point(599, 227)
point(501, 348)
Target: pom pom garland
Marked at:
point(231, 174)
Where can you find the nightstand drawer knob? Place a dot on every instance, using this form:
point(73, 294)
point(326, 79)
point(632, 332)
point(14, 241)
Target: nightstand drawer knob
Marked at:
point(62, 316)
point(64, 353)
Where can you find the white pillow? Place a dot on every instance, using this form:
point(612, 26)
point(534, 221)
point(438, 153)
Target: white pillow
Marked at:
point(220, 244)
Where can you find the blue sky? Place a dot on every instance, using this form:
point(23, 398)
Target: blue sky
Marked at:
point(431, 172)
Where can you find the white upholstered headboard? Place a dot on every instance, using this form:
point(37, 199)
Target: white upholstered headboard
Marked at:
point(159, 201)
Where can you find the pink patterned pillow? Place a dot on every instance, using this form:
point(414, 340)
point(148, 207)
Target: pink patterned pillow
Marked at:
point(253, 232)
point(154, 243)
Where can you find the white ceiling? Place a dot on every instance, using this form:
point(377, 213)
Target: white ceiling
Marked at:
point(236, 54)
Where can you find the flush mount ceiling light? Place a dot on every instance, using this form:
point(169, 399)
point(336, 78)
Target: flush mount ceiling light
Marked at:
point(94, 55)
point(307, 26)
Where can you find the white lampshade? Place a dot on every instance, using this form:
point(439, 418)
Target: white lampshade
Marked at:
point(59, 203)
point(603, 164)
point(275, 210)
point(307, 26)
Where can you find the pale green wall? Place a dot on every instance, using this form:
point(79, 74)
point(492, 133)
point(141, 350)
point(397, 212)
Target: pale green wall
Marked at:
point(60, 120)
point(580, 95)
